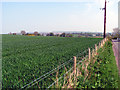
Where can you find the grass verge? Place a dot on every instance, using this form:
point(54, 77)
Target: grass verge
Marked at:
point(104, 72)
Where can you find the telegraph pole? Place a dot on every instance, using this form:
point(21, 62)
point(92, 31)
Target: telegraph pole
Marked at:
point(105, 19)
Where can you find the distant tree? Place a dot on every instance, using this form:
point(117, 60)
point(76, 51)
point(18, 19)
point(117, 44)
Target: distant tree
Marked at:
point(42, 34)
point(48, 34)
point(36, 33)
point(70, 35)
point(23, 32)
point(39, 34)
point(62, 35)
point(79, 36)
point(51, 34)
point(57, 35)
point(116, 33)
point(10, 33)
point(14, 33)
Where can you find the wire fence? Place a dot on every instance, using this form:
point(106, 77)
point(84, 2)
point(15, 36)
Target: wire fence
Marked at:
point(29, 85)
point(61, 67)
point(65, 74)
point(60, 77)
point(31, 79)
point(91, 48)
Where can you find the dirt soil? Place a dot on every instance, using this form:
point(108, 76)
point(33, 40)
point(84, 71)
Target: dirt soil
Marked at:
point(116, 50)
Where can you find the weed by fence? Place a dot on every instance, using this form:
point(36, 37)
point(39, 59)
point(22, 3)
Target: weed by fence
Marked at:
point(71, 80)
point(91, 53)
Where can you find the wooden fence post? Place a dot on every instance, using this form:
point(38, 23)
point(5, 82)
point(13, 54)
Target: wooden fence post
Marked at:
point(77, 72)
point(103, 41)
point(74, 67)
point(89, 54)
point(93, 53)
point(99, 45)
point(74, 70)
point(96, 48)
point(57, 79)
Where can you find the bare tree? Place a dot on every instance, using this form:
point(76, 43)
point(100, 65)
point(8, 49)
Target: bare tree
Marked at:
point(35, 33)
point(23, 32)
point(51, 34)
point(62, 35)
point(116, 32)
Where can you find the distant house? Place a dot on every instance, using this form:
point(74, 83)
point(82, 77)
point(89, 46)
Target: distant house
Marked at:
point(93, 35)
point(18, 34)
point(43, 34)
point(98, 37)
point(119, 14)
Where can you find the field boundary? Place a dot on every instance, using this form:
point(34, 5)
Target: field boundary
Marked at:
point(50, 72)
point(72, 77)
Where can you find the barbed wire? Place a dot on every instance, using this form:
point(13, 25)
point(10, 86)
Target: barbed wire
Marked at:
point(52, 70)
point(48, 73)
point(65, 73)
point(60, 78)
point(44, 77)
point(72, 67)
point(63, 63)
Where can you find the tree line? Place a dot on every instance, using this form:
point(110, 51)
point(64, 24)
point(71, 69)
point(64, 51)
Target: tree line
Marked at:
point(48, 34)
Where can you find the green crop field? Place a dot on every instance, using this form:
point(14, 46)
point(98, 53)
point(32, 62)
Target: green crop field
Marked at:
point(23, 56)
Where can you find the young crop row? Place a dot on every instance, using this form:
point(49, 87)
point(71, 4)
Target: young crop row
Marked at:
point(23, 56)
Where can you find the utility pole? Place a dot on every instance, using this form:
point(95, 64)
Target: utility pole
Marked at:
point(105, 20)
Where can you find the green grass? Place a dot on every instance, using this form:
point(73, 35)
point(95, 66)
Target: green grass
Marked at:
point(104, 73)
point(23, 56)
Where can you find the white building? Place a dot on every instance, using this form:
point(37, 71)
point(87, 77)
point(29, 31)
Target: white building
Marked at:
point(116, 31)
point(119, 14)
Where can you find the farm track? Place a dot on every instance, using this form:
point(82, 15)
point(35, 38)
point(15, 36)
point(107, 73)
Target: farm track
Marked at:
point(116, 49)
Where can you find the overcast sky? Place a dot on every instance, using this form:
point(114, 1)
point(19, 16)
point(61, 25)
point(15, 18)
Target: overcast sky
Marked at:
point(58, 15)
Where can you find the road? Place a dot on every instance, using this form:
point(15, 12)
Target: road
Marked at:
point(116, 49)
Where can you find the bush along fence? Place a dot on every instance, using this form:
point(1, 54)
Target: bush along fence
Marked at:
point(77, 76)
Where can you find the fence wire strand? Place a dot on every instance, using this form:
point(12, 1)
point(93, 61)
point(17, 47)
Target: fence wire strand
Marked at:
point(66, 73)
point(48, 73)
